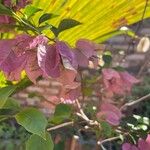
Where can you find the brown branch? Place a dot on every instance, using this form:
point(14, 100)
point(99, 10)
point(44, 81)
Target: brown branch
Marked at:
point(142, 18)
point(108, 140)
point(135, 102)
point(60, 126)
point(81, 114)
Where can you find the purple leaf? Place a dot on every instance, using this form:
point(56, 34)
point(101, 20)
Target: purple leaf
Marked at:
point(49, 60)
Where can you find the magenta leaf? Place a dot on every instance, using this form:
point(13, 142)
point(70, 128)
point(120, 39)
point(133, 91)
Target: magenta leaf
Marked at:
point(8, 60)
point(49, 60)
point(110, 112)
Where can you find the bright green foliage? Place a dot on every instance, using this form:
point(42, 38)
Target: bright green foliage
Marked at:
point(4, 10)
point(2, 80)
point(62, 112)
point(5, 93)
point(12, 104)
point(33, 121)
point(98, 17)
point(30, 11)
point(106, 128)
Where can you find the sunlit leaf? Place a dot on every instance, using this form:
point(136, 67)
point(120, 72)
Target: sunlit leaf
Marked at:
point(67, 24)
point(4, 10)
point(98, 18)
point(31, 10)
point(3, 81)
point(46, 16)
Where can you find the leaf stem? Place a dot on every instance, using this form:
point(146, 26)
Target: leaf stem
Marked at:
point(135, 102)
point(60, 126)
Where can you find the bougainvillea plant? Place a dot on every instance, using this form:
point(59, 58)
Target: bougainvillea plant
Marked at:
point(29, 55)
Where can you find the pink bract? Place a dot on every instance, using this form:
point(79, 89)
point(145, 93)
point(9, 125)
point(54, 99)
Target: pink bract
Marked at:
point(128, 146)
point(17, 56)
point(118, 82)
point(6, 19)
point(54, 57)
point(86, 50)
point(18, 5)
point(70, 88)
point(49, 60)
point(110, 113)
point(142, 145)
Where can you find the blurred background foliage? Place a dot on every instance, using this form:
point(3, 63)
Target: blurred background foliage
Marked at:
point(99, 18)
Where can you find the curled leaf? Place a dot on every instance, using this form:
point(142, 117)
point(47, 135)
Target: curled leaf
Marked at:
point(143, 45)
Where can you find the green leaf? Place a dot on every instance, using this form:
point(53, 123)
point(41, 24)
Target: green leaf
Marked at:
point(14, 2)
point(54, 30)
point(33, 121)
point(3, 81)
point(25, 82)
point(44, 27)
point(5, 11)
point(46, 16)
point(62, 112)
point(31, 10)
point(3, 117)
point(67, 24)
point(143, 127)
point(11, 103)
point(107, 58)
point(107, 130)
point(35, 142)
point(5, 93)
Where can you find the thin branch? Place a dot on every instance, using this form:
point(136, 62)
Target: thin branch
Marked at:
point(135, 102)
point(147, 55)
point(137, 29)
point(82, 117)
point(81, 111)
point(142, 18)
point(108, 140)
point(60, 126)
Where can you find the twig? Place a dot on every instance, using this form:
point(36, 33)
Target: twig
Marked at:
point(108, 140)
point(138, 28)
point(142, 18)
point(135, 102)
point(82, 114)
point(60, 126)
point(147, 55)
